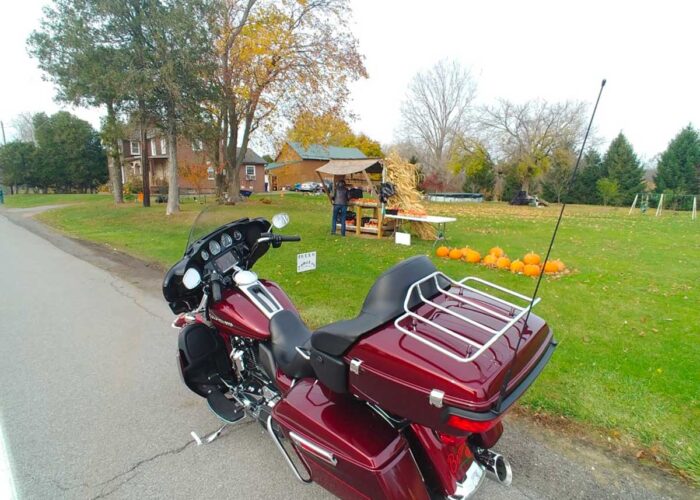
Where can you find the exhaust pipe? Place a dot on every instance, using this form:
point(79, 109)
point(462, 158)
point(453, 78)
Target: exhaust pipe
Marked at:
point(496, 466)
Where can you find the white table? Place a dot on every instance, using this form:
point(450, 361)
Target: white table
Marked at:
point(437, 220)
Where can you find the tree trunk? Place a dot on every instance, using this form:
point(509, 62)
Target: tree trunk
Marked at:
point(114, 160)
point(173, 186)
point(230, 157)
point(144, 154)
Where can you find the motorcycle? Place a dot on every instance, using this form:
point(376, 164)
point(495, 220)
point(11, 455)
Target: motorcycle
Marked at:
point(404, 401)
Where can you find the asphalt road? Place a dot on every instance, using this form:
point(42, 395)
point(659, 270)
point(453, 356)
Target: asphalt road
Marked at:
point(91, 405)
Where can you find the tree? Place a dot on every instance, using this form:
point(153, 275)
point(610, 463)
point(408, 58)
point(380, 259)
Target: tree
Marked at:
point(678, 169)
point(17, 164)
point(526, 136)
point(69, 154)
point(290, 55)
point(24, 127)
point(608, 190)
point(584, 188)
point(74, 48)
point(436, 110)
point(196, 174)
point(621, 164)
point(330, 128)
point(555, 182)
point(473, 160)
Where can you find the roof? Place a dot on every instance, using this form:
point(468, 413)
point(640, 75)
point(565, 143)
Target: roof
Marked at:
point(251, 157)
point(278, 164)
point(320, 152)
point(347, 167)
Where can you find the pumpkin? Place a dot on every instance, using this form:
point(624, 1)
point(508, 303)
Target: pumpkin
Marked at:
point(455, 254)
point(503, 263)
point(531, 258)
point(472, 256)
point(560, 265)
point(531, 270)
point(496, 252)
point(551, 267)
point(516, 266)
point(442, 252)
point(489, 260)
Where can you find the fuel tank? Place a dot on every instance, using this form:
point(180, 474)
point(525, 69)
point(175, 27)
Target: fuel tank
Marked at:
point(236, 314)
point(411, 379)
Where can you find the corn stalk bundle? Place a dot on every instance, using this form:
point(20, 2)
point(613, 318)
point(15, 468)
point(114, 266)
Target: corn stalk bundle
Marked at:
point(404, 176)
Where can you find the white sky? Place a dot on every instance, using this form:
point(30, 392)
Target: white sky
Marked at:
point(518, 50)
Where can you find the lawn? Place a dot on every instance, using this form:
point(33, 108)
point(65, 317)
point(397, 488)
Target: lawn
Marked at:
point(35, 200)
point(627, 316)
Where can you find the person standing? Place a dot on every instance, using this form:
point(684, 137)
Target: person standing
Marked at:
point(340, 206)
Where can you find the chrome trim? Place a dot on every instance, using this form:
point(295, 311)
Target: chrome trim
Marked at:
point(355, 366)
point(264, 301)
point(304, 354)
point(316, 450)
point(470, 484)
point(435, 398)
point(497, 466)
point(284, 453)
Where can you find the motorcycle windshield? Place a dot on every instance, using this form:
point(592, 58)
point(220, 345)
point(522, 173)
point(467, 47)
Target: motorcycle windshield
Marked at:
point(209, 220)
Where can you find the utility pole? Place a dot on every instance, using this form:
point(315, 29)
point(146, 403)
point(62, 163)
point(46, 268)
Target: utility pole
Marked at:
point(2, 125)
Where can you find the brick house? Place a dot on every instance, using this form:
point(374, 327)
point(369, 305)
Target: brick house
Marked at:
point(296, 163)
point(252, 171)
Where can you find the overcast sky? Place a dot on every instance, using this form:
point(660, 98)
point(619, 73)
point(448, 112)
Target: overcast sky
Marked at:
point(518, 50)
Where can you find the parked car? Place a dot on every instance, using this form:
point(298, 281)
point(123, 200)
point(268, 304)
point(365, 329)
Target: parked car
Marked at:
point(310, 187)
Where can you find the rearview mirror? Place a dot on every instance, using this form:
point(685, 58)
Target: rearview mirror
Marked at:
point(191, 279)
point(280, 220)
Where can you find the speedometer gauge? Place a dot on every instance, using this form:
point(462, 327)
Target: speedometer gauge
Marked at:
point(205, 255)
point(226, 240)
point(237, 235)
point(214, 247)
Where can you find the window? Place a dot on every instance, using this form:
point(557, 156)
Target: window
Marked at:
point(250, 171)
point(197, 145)
point(163, 146)
point(135, 147)
point(153, 147)
point(211, 175)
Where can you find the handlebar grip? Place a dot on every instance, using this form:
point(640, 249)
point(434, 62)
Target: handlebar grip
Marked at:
point(283, 237)
point(216, 290)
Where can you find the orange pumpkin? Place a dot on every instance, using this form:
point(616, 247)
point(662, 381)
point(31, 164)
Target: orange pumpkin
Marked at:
point(455, 254)
point(442, 252)
point(551, 267)
point(496, 252)
point(472, 256)
point(503, 263)
point(532, 258)
point(516, 266)
point(489, 260)
point(560, 265)
point(531, 270)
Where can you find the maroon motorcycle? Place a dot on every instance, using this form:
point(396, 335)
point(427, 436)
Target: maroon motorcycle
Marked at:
point(404, 401)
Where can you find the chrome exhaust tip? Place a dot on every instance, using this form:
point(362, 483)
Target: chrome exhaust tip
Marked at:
point(497, 466)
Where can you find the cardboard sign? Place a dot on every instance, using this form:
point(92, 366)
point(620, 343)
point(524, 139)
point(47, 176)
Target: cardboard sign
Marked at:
point(306, 262)
point(403, 239)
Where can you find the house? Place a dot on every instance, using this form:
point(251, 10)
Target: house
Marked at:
point(251, 173)
point(296, 163)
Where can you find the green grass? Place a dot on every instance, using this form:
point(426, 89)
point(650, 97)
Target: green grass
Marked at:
point(627, 317)
point(35, 200)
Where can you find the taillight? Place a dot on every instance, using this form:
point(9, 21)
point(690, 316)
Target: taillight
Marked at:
point(464, 424)
point(449, 439)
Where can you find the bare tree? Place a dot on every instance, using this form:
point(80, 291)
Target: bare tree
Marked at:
point(526, 136)
point(437, 109)
point(24, 127)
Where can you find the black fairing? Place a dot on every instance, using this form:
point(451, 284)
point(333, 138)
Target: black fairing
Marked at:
point(180, 298)
point(203, 359)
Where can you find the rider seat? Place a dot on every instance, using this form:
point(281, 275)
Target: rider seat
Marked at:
point(290, 344)
point(384, 302)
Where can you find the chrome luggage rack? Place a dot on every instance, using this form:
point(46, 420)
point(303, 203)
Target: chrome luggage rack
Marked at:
point(516, 313)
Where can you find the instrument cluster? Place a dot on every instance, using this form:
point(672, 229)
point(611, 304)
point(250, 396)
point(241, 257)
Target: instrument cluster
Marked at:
point(220, 244)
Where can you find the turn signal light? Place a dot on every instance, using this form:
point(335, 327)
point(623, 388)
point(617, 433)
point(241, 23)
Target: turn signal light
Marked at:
point(464, 424)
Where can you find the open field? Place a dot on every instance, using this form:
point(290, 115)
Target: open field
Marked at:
point(627, 317)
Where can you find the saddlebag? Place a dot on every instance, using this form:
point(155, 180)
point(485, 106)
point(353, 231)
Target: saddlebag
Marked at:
point(347, 447)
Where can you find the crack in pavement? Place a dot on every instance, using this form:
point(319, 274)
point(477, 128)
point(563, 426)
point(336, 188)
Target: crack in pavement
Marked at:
point(133, 468)
point(123, 293)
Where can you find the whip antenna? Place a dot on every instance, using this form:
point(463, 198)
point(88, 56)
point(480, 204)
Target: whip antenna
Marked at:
point(509, 373)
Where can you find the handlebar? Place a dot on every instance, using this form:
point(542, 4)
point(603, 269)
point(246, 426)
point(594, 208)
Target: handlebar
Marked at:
point(276, 239)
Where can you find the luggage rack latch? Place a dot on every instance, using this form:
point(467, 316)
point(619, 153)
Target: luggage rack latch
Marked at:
point(435, 398)
point(355, 366)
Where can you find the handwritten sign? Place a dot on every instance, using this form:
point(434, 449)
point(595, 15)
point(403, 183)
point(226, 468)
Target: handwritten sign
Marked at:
point(306, 262)
point(403, 239)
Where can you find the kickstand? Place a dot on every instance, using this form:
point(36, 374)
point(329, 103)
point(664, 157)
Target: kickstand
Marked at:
point(208, 438)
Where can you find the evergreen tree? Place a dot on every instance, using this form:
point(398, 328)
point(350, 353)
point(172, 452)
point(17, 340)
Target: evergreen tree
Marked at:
point(584, 189)
point(17, 163)
point(679, 167)
point(622, 166)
